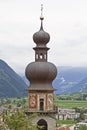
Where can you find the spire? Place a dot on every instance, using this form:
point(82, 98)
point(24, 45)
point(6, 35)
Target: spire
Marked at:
point(41, 17)
point(41, 38)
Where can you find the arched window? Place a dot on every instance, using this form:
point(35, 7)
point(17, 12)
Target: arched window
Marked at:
point(45, 57)
point(41, 104)
point(36, 56)
point(43, 124)
point(41, 56)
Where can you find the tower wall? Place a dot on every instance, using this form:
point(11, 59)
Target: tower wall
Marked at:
point(51, 122)
point(38, 97)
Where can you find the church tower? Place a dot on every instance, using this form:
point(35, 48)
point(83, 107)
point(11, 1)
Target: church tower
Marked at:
point(41, 73)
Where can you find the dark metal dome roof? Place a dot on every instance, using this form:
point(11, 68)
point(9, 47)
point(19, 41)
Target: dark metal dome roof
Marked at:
point(43, 72)
point(41, 37)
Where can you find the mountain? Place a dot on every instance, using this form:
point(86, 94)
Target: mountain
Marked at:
point(81, 86)
point(11, 84)
point(70, 80)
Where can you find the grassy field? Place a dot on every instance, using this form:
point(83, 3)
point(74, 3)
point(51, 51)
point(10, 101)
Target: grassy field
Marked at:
point(60, 103)
point(70, 103)
point(67, 122)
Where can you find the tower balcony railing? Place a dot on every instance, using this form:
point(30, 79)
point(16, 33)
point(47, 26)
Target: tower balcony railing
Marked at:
point(43, 112)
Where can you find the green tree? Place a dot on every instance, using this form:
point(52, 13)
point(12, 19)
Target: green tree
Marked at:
point(19, 120)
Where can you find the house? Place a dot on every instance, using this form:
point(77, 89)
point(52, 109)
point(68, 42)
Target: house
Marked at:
point(64, 114)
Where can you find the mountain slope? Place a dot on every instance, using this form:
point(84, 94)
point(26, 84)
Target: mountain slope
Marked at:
point(81, 86)
point(11, 84)
point(70, 80)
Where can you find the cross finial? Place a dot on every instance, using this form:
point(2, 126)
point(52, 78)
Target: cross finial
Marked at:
point(41, 9)
point(41, 17)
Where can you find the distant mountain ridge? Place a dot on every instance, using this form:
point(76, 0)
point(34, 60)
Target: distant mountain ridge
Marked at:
point(81, 86)
point(71, 80)
point(11, 84)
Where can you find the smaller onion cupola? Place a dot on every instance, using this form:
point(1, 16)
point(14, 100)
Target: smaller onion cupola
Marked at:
point(41, 38)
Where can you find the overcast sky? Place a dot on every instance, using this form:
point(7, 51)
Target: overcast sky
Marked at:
point(64, 20)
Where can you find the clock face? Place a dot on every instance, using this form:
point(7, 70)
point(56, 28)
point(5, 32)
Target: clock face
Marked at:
point(32, 101)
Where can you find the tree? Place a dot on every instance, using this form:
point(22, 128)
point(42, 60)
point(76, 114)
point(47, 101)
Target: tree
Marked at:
point(19, 121)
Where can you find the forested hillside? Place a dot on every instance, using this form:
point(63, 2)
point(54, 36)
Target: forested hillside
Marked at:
point(11, 84)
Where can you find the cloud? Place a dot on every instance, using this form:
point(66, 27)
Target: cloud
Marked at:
point(65, 21)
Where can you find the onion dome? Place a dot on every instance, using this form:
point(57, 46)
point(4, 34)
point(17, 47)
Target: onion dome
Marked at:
point(41, 73)
point(41, 37)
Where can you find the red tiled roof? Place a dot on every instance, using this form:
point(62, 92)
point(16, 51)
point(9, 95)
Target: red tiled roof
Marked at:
point(63, 128)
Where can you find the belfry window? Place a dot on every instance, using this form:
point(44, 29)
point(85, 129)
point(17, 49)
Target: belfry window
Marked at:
point(41, 56)
point(41, 104)
point(45, 57)
point(36, 56)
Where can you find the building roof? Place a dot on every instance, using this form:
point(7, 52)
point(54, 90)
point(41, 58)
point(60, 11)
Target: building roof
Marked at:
point(63, 128)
